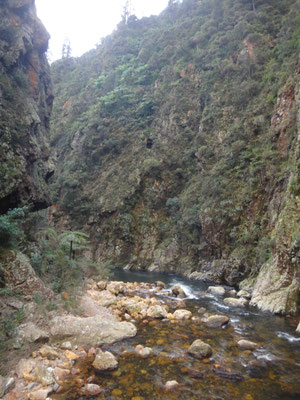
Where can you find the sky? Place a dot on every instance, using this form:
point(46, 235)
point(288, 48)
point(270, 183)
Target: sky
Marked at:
point(85, 22)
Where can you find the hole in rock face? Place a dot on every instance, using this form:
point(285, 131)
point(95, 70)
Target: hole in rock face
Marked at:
point(149, 143)
point(49, 175)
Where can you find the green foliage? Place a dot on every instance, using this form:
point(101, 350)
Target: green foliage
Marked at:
point(11, 232)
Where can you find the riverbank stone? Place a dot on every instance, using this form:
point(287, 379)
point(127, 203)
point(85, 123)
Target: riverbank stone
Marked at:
point(156, 312)
point(200, 349)
point(298, 328)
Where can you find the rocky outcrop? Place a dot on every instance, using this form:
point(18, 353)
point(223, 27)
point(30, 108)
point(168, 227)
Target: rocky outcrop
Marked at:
point(19, 276)
point(25, 106)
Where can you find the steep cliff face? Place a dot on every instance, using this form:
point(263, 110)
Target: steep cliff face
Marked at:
point(177, 144)
point(25, 104)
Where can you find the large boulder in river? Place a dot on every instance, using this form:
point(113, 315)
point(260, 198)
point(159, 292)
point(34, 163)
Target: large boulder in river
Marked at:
point(177, 291)
point(91, 331)
point(200, 349)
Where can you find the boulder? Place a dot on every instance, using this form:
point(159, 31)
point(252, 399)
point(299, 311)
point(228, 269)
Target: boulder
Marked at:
point(104, 298)
point(200, 349)
point(2, 386)
point(216, 321)
point(233, 302)
point(90, 331)
point(156, 312)
point(243, 293)
point(247, 345)
point(44, 375)
point(177, 291)
point(217, 290)
point(182, 314)
point(66, 346)
point(105, 361)
point(160, 284)
point(298, 328)
point(41, 394)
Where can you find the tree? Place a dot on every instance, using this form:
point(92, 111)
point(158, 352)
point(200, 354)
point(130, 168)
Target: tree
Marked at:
point(127, 11)
point(66, 49)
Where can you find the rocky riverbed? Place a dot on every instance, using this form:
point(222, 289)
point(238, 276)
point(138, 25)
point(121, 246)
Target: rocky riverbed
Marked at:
point(140, 340)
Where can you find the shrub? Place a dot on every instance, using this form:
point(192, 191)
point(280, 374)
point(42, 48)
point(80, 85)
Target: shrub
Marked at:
point(10, 227)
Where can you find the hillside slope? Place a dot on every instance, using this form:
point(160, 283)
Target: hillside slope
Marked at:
point(25, 105)
point(177, 143)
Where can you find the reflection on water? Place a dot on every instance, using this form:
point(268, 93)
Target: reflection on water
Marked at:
point(270, 372)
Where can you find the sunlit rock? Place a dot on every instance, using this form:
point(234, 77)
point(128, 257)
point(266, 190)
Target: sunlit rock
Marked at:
point(105, 361)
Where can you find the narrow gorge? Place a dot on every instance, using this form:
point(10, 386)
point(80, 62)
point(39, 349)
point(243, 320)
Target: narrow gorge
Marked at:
point(167, 155)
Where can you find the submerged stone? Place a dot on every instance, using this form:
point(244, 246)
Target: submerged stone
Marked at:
point(217, 321)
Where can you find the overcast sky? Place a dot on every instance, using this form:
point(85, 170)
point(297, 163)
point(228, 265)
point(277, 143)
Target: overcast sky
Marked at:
point(85, 22)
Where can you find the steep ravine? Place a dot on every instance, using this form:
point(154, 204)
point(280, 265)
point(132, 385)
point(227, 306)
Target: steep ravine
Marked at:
point(177, 146)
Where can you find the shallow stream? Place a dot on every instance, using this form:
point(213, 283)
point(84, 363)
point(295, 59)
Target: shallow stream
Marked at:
point(270, 372)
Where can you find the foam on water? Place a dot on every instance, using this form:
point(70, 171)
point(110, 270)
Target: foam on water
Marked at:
point(290, 338)
point(187, 290)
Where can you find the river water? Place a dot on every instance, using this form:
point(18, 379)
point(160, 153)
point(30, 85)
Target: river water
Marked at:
point(270, 372)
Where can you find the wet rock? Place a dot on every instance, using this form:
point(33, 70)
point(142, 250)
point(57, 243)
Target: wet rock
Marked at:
point(116, 287)
point(195, 373)
point(256, 368)
point(101, 285)
point(171, 385)
point(104, 298)
point(134, 307)
point(91, 389)
point(31, 333)
point(217, 321)
point(200, 349)
point(298, 328)
point(217, 290)
point(91, 331)
point(233, 302)
point(48, 352)
point(143, 351)
point(105, 361)
point(9, 385)
point(177, 291)
point(247, 345)
point(160, 284)
point(182, 314)
point(156, 312)
point(228, 374)
point(244, 293)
